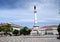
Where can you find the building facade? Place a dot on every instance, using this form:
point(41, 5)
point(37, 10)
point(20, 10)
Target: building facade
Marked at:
point(49, 30)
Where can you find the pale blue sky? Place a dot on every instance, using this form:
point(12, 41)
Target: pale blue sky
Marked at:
point(21, 12)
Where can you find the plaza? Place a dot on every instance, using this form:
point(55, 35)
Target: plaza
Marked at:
point(47, 38)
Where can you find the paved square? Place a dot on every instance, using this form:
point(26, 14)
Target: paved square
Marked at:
point(27, 39)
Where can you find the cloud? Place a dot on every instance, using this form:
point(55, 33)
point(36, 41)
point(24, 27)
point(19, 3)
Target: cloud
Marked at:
point(23, 11)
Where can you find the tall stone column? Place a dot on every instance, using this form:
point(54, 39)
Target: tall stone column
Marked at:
point(35, 19)
point(35, 30)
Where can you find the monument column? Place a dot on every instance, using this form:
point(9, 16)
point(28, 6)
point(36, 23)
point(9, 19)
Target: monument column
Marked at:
point(35, 30)
point(35, 19)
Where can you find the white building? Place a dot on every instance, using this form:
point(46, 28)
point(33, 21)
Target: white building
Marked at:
point(49, 30)
point(16, 27)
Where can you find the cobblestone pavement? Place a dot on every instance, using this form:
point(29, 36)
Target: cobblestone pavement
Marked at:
point(28, 39)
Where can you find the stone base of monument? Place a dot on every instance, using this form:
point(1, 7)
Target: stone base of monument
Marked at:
point(34, 33)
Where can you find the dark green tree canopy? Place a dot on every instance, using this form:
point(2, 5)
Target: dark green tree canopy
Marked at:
point(16, 32)
point(6, 28)
point(58, 28)
point(25, 31)
point(1, 29)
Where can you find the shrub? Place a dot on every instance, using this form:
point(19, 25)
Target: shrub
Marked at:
point(25, 31)
point(16, 32)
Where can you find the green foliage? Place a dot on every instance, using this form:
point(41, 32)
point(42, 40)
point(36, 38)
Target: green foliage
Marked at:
point(25, 31)
point(6, 28)
point(1, 29)
point(28, 32)
point(16, 32)
point(58, 28)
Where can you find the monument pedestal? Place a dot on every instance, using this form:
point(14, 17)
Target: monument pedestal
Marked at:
point(35, 31)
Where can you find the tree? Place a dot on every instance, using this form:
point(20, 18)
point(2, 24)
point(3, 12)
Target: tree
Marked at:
point(1, 29)
point(58, 29)
point(7, 28)
point(25, 31)
point(16, 32)
point(29, 31)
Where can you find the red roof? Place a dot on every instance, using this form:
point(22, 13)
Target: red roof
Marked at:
point(53, 26)
point(2, 24)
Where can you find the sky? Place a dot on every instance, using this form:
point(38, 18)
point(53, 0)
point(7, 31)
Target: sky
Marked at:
point(21, 12)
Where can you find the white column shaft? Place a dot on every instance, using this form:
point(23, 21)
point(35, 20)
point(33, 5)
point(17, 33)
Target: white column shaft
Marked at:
point(35, 18)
